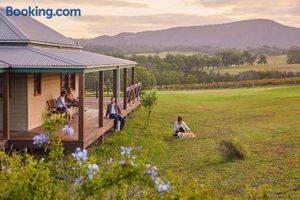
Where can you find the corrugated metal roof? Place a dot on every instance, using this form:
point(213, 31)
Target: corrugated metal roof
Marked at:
point(27, 29)
point(85, 58)
point(3, 65)
point(35, 57)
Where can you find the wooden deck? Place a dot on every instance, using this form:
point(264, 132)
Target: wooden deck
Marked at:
point(92, 133)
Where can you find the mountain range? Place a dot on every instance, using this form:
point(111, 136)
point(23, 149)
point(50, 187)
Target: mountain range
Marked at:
point(240, 34)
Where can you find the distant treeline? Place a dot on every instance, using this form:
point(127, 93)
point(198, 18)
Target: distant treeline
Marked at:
point(235, 84)
point(188, 63)
point(152, 78)
point(208, 50)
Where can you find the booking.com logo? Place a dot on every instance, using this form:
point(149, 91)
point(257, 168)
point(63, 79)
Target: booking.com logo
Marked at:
point(42, 12)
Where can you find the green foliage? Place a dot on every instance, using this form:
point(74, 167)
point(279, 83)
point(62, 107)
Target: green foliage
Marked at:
point(52, 124)
point(148, 101)
point(24, 177)
point(146, 77)
point(262, 60)
point(293, 55)
point(232, 149)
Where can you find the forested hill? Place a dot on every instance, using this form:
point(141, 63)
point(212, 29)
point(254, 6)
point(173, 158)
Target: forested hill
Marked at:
point(240, 34)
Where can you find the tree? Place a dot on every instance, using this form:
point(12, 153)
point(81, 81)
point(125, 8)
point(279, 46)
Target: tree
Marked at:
point(146, 77)
point(148, 101)
point(293, 55)
point(248, 57)
point(262, 59)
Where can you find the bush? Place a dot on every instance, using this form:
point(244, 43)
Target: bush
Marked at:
point(232, 149)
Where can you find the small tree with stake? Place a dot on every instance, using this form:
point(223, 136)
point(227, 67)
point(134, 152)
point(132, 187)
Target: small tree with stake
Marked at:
point(148, 101)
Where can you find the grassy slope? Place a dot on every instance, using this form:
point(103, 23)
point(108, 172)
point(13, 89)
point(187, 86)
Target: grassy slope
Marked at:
point(265, 119)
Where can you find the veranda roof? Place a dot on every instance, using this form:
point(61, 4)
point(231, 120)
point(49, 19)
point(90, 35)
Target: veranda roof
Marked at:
point(29, 58)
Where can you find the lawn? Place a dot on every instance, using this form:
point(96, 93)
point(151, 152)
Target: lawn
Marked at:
point(266, 120)
point(275, 63)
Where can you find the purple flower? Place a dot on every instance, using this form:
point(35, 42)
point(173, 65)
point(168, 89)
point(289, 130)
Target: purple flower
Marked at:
point(140, 147)
point(125, 151)
point(68, 130)
point(93, 169)
point(163, 187)
point(41, 139)
point(152, 172)
point(79, 180)
point(80, 155)
point(122, 162)
point(157, 181)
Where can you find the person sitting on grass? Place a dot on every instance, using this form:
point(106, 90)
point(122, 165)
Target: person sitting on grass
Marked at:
point(113, 111)
point(181, 129)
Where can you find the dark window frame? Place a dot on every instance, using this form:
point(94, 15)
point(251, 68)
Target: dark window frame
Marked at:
point(67, 81)
point(37, 84)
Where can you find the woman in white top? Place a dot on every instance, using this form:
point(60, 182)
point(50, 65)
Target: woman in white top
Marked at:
point(181, 129)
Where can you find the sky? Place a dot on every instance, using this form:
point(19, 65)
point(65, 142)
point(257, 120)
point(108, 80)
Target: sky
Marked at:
point(111, 17)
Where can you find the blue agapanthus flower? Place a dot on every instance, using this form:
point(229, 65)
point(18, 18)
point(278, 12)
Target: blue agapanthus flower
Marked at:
point(79, 180)
point(41, 139)
point(69, 131)
point(122, 162)
point(163, 187)
point(80, 155)
point(92, 170)
point(126, 151)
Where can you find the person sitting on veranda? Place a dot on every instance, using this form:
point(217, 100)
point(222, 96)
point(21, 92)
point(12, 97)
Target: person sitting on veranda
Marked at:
point(70, 99)
point(181, 129)
point(113, 111)
point(61, 105)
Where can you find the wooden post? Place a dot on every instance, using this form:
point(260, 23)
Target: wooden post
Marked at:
point(101, 91)
point(97, 89)
point(115, 83)
point(132, 76)
point(125, 90)
point(6, 109)
point(118, 85)
point(81, 108)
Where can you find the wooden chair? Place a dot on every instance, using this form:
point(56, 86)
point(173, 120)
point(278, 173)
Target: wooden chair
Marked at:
point(51, 107)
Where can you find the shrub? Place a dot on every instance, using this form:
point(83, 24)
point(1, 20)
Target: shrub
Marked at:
point(148, 101)
point(232, 149)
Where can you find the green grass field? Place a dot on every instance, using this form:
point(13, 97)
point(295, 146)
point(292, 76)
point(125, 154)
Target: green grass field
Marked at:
point(266, 120)
point(275, 63)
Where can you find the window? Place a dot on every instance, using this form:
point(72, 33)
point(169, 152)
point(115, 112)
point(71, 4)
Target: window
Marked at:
point(68, 81)
point(37, 83)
